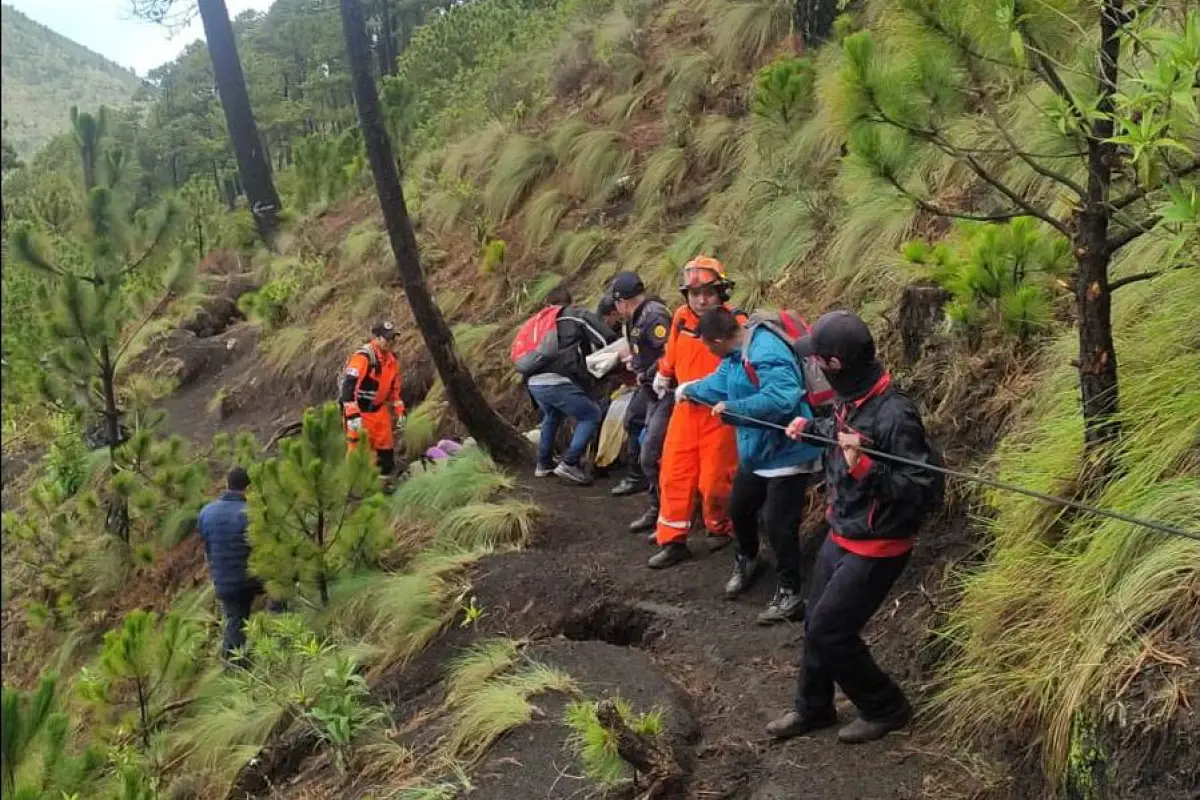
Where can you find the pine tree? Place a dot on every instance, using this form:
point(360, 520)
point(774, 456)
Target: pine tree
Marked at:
point(147, 661)
point(254, 166)
point(315, 511)
point(1084, 119)
point(91, 301)
point(36, 764)
point(495, 434)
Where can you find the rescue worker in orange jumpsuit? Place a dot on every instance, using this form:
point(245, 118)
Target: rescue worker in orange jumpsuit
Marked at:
point(700, 451)
point(370, 397)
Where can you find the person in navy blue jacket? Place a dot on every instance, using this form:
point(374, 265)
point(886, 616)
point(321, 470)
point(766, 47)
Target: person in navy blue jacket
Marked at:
point(222, 525)
point(773, 470)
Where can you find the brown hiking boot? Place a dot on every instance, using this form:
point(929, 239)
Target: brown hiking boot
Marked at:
point(671, 554)
point(868, 730)
point(796, 723)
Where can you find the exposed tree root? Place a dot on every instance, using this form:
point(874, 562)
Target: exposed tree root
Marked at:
point(651, 760)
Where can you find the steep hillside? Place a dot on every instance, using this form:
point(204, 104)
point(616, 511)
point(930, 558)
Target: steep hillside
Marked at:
point(44, 73)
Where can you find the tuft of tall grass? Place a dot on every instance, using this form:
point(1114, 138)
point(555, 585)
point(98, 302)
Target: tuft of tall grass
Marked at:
point(470, 478)
point(521, 164)
point(578, 250)
point(542, 215)
point(720, 143)
point(482, 716)
point(1069, 609)
point(421, 427)
point(688, 79)
point(744, 31)
point(486, 527)
point(363, 240)
point(282, 348)
point(665, 172)
point(477, 665)
point(597, 159)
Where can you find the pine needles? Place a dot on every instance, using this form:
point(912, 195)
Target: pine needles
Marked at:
point(597, 747)
point(744, 31)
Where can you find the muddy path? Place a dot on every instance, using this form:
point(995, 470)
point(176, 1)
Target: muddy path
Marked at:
point(584, 578)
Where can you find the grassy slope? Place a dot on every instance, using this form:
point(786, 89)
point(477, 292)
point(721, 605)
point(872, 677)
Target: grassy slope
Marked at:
point(44, 73)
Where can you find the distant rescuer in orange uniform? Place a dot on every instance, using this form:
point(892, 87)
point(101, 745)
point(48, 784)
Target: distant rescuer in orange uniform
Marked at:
point(370, 396)
point(700, 451)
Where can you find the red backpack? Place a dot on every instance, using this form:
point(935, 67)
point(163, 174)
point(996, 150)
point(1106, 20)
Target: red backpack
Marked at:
point(789, 326)
point(536, 342)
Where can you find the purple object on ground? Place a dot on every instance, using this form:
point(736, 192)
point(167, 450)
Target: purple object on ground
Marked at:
point(450, 446)
point(436, 454)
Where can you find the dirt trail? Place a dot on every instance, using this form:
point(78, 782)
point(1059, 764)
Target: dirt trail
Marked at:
point(584, 577)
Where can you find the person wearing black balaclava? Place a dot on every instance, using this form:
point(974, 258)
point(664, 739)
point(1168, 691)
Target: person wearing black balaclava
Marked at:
point(875, 509)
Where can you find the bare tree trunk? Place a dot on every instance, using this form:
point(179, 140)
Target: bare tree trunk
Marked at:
point(1097, 354)
point(492, 432)
point(387, 40)
point(239, 118)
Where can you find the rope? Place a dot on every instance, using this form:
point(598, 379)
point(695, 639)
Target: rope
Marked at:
point(1153, 525)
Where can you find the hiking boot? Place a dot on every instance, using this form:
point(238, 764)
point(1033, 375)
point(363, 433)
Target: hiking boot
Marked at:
point(745, 571)
point(573, 473)
point(868, 730)
point(652, 538)
point(798, 723)
point(646, 522)
point(629, 485)
point(670, 555)
point(785, 606)
point(717, 541)
point(541, 471)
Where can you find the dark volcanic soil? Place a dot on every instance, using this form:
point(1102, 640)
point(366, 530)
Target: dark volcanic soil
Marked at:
point(584, 578)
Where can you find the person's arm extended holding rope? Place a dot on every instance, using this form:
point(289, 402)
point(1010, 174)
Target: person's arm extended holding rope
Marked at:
point(903, 435)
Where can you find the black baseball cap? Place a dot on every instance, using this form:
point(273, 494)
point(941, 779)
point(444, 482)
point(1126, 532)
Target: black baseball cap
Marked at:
point(626, 286)
point(841, 335)
point(606, 306)
point(386, 329)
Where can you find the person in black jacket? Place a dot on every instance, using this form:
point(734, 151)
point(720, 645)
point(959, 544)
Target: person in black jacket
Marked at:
point(874, 510)
point(563, 389)
point(648, 322)
point(222, 525)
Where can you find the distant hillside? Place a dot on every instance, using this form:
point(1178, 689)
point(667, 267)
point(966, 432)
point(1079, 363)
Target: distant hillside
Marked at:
point(44, 74)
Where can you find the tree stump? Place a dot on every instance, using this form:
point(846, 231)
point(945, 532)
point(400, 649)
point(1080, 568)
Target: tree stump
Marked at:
point(648, 758)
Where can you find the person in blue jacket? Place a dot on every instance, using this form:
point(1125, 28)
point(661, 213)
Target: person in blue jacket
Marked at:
point(222, 525)
point(773, 470)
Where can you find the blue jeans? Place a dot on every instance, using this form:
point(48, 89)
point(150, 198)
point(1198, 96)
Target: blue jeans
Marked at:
point(565, 401)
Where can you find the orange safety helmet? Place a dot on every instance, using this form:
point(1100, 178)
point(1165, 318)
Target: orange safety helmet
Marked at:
point(704, 271)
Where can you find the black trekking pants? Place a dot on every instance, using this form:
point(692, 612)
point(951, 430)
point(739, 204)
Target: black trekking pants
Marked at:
point(781, 503)
point(647, 413)
point(846, 591)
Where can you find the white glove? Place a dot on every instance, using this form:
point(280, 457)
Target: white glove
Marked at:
point(679, 396)
point(661, 385)
point(354, 424)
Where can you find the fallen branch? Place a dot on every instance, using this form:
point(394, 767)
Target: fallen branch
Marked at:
point(289, 430)
point(648, 758)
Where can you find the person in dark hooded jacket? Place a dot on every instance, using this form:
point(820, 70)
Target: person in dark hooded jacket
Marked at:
point(874, 510)
point(222, 525)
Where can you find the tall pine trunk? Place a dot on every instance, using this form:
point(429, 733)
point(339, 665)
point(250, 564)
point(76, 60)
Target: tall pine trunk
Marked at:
point(1093, 299)
point(491, 430)
point(239, 118)
point(387, 39)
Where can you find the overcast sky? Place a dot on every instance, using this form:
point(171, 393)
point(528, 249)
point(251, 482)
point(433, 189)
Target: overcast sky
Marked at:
point(108, 27)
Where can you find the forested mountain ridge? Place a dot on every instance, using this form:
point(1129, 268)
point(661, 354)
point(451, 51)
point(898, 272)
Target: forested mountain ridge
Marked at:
point(555, 142)
point(43, 73)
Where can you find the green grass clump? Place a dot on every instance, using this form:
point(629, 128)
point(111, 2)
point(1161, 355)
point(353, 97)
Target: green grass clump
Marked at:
point(1069, 609)
point(522, 163)
point(470, 478)
point(364, 240)
point(597, 748)
point(744, 31)
point(597, 160)
point(477, 665)
point(498, 705)
point(577, 250)
point(542, 216)
point(485, 527)
point(663, 178)
point(421, 427)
